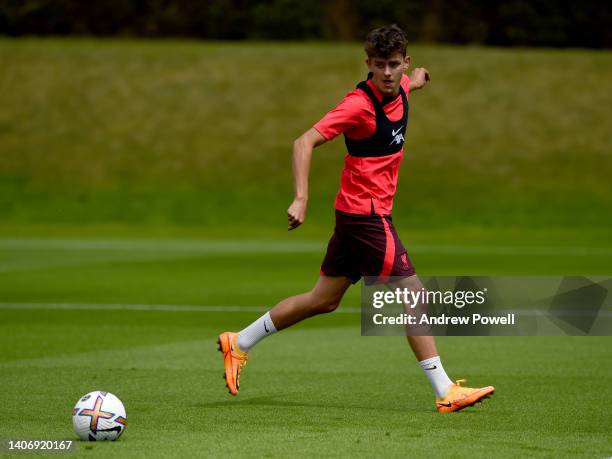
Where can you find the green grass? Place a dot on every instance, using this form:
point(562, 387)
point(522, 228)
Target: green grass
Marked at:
point(316, 389)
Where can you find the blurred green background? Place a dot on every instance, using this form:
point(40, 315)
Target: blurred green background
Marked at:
point(194, 138)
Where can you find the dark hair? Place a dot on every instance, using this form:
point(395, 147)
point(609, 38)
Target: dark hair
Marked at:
point(386, 41)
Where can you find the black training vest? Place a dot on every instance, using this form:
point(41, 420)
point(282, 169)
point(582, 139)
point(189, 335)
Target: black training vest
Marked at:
point(389, 135)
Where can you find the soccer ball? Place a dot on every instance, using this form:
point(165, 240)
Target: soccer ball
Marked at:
point(99, 416)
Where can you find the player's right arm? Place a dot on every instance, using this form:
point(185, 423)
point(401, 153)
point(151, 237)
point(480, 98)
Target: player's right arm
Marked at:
point(348, 114)
point(302, 155)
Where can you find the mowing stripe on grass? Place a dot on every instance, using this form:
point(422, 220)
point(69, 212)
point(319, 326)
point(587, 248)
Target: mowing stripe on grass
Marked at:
point(75, 258)
point(169, 245)
point(246, 246)
point(211, 308)
point(151, 307)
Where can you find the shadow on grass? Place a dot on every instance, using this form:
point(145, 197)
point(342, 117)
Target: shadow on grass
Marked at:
point(274, 402)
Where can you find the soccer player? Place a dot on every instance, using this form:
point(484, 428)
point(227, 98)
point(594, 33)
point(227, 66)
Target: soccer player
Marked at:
point(373, 119)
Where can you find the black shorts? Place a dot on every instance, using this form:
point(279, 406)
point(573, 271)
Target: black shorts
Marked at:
point(365, 245)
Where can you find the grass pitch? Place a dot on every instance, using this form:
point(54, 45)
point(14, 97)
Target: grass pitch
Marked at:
point(119, 157)
point(316, 389)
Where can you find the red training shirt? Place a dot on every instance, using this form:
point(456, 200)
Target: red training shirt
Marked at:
point(367, 183)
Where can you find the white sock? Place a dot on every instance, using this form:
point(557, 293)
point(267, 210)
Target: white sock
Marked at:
point(255, 332)
point(438, 378)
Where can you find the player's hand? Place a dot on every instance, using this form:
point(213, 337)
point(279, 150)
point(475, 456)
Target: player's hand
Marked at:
point(419, 77)
point(296, 213)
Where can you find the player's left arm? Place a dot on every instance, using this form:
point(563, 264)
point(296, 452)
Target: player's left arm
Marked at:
point(419, 78)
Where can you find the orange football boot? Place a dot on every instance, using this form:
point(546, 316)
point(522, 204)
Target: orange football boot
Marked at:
point(459, 397)
point(233, 360)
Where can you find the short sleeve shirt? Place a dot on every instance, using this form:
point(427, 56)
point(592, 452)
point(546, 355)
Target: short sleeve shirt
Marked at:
point(368, 184)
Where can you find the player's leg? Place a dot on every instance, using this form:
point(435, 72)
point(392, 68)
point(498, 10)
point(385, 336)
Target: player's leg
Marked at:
point(449, 396)
point(323, 298)
point(382, 251)
point(424, 347)
point(338, 271)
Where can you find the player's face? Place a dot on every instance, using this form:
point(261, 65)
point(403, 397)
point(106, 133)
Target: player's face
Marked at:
point(387, 73)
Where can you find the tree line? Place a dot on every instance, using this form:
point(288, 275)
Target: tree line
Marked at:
point(559, 23)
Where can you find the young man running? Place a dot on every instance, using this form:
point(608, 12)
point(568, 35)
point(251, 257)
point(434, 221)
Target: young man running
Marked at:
point(373, 119)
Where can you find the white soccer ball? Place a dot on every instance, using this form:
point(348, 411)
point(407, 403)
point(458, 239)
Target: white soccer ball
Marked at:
point(99, 416)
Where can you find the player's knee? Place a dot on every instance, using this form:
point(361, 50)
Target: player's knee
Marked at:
point(412, 283)
point(324, 305)
point(329, 306)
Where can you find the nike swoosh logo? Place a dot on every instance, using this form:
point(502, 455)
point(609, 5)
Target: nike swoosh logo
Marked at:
point(394, 132)
point(266, 327)
point(448, 405)
point(432, 368)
